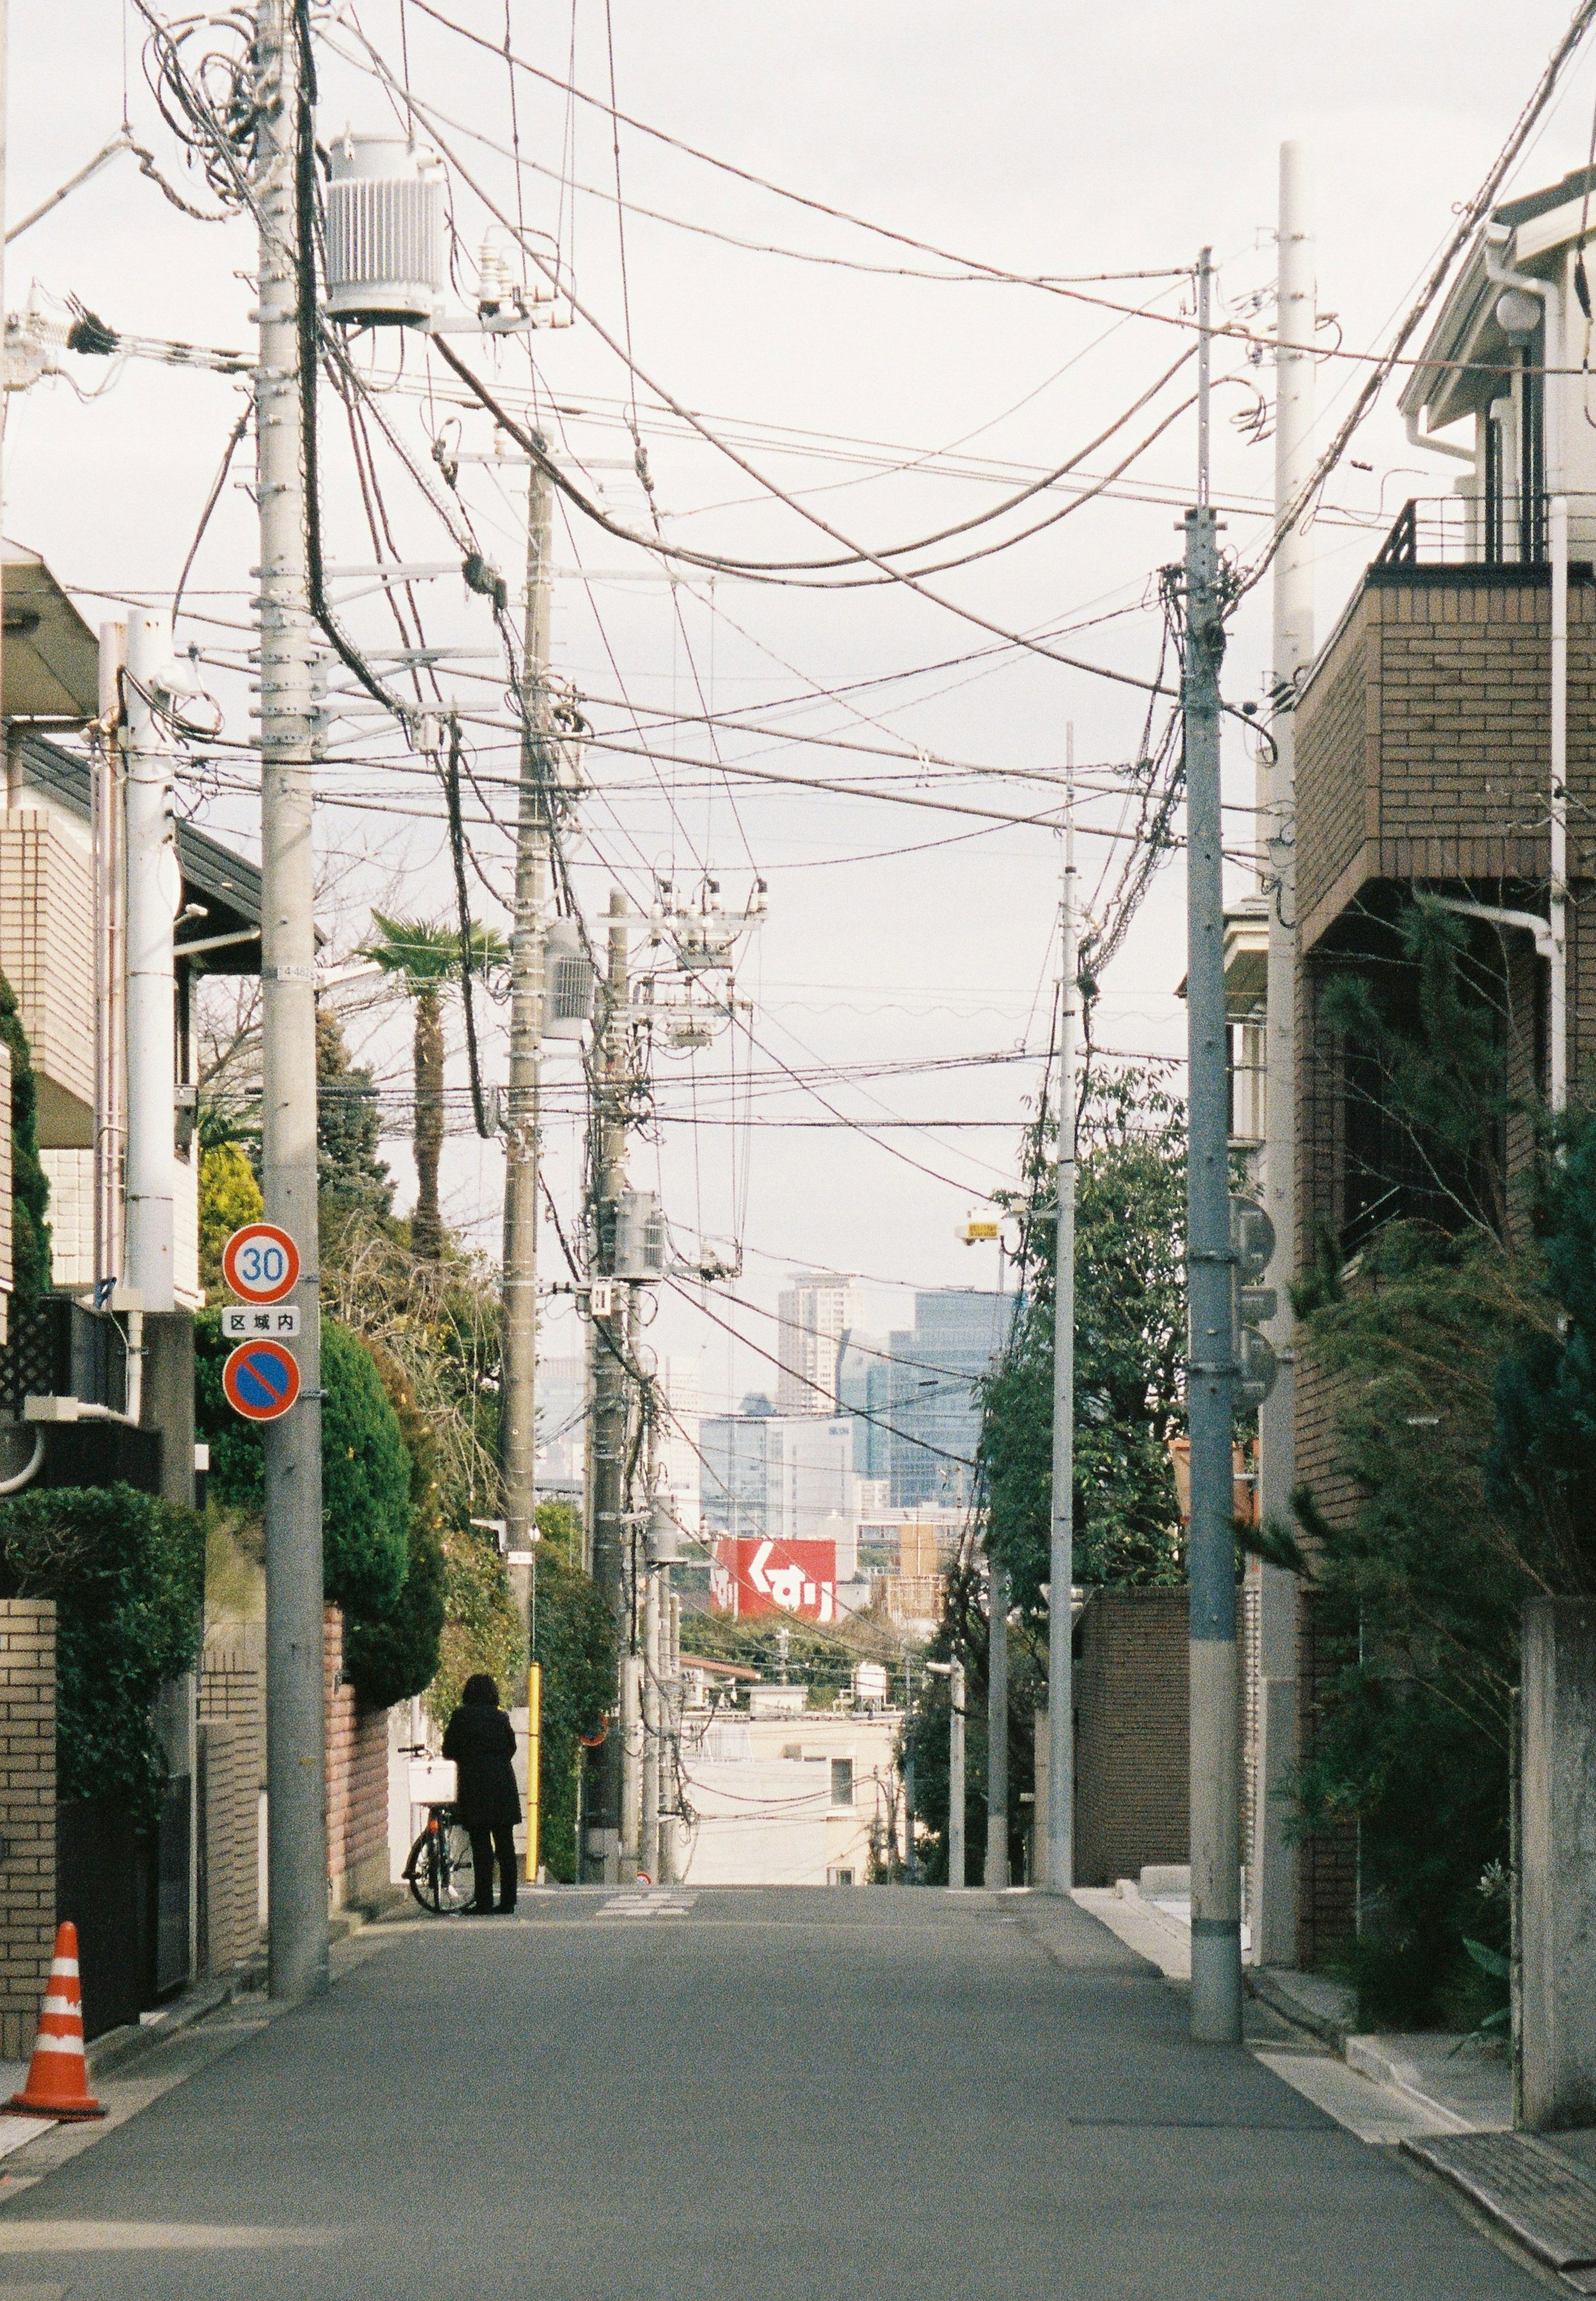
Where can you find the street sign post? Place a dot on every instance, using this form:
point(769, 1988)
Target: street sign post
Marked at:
point(261, 1263)
point(260, 1380)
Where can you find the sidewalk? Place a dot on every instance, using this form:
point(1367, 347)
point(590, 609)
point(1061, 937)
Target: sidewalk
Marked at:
point(1446, 2103)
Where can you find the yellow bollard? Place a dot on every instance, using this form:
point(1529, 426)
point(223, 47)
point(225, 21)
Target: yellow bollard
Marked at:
point(534, 1764)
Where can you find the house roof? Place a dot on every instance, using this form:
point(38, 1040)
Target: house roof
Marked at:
point(50, 659)
point(1467, 358)
point(228, 886)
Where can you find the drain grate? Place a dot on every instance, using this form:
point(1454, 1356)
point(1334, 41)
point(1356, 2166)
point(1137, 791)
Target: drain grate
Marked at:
point(1549, 2204)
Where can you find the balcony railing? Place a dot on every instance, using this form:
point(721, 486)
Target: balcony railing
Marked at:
point(1508, 531)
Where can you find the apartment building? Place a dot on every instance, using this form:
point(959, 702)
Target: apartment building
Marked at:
point(813, 1314)
point(1424, 759)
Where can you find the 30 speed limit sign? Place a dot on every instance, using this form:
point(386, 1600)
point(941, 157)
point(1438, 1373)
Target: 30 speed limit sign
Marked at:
point(261, 1263)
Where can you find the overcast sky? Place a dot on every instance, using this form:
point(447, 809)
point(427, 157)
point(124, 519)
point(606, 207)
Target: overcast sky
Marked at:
point(1064, 141)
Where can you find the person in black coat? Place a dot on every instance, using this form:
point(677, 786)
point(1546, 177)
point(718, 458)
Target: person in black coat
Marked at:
point(481, 1742)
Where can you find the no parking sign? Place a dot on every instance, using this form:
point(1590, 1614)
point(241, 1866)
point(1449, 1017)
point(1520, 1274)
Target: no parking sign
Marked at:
point(260, 1380)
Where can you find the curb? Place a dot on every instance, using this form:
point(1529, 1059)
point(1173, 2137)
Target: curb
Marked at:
point(120, 2049)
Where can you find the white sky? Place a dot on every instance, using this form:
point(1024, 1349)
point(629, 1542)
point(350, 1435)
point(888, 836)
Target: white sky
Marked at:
point(1047, 140)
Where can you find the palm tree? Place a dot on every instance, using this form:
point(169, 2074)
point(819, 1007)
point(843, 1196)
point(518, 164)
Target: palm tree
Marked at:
point(423, 955)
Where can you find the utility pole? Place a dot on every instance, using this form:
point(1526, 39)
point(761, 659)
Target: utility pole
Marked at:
point(1216, 1816)
point(610, 1410)
point(996, 1730)
point(518, 1434)
point(911, 1864)
point(296, 1721)
point(957, 1875)
point(1059, 1821)
point(153, 885)
point(1273, 1866)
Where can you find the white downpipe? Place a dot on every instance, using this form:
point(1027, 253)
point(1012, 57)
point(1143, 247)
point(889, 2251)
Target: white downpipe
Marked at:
point(1433, 447)
point(1502, 274)
point(1557, 1051)
point(154, 883)
point(29, 1470)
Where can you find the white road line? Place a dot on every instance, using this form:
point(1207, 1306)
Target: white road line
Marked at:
point(648, 1904)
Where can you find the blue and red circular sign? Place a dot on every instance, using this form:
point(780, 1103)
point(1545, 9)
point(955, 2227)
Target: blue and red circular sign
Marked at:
point(260, 1380)
point(261, 1263)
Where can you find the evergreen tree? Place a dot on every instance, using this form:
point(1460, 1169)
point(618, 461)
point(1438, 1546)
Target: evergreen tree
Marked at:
point(352, 1177)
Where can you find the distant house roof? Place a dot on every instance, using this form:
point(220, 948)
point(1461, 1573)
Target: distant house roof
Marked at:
point(227, 885)
point(50, 661)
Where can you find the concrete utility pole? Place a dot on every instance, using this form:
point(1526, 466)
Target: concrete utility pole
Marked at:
point(610, 1399)
point(1215, 1814)
point(1058, 1823)
point(518, 1420)
point(154, 885)
point(957, 1872)
point(296, 1721)
point(996, 1730)
point(1273, 1862)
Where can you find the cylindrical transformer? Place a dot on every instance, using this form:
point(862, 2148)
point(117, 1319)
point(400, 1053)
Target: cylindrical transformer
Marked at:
point(385, 249)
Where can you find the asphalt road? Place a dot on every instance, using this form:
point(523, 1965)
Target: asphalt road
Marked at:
point(784, 2095)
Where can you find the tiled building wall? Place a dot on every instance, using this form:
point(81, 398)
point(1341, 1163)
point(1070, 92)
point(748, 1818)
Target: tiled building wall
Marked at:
point(45, 949)
point(27, 1815)
point(1132, 1728)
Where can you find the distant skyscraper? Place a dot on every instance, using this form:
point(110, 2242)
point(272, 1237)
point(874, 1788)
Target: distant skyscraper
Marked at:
point(782, 1478)
point(679, 1439)
point(933, 1406)
point(812, 1316)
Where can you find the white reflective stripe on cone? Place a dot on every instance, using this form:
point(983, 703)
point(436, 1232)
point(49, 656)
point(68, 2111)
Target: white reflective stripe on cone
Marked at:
point(67, 2007)
point(61, 1966)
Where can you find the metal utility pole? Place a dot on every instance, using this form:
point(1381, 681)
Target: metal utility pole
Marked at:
point(1273, 1866)
point(296, 1723)
point(1059, 1821)
point(518, 1431)
point(610, 1399)
point(653, 1726)
point(154, 882)
point(1215, 1815)
point(996, 1730)
point(911, 1861)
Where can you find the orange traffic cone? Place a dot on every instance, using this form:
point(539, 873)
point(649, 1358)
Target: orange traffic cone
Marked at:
point(58, 2076)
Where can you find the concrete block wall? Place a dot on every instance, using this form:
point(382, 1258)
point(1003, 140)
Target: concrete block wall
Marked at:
point(357, 1862)
point(1132, 1729)
point(27, 1815)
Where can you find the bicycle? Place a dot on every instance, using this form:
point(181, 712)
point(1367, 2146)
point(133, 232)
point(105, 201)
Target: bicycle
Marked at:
point(440, 1869)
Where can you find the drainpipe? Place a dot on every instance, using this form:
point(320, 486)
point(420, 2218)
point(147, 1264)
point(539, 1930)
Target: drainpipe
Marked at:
point(1432, 446)
point(1497, 241)
point(1557, 1050)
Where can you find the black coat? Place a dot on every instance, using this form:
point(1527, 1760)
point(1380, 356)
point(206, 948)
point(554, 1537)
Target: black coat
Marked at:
point(481, 1743)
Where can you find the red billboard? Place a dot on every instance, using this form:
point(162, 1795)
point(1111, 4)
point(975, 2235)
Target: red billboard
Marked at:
point(759, 1577)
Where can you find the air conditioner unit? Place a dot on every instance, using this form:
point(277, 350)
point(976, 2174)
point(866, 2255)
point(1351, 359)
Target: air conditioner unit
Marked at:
point(639, 1237)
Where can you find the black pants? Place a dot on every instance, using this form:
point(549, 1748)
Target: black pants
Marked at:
point(500, 1839)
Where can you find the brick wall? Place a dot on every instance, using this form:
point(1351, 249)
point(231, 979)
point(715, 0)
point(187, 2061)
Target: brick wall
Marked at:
point(27, 1815)
point(356, 1782)
point(1132, 1734)
point(231, 1766)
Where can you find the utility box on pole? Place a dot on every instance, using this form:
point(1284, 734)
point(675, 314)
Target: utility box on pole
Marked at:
point(1556, 1862)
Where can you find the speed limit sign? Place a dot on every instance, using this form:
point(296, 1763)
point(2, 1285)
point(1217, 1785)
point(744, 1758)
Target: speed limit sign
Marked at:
point(261, 1263)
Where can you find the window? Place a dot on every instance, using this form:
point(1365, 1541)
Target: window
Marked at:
point(842, 1784)
point(839, 1876)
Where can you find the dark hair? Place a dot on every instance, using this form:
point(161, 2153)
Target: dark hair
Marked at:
point(480, 1689)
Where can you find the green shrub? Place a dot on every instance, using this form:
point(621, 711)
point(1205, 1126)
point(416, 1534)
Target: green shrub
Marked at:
point(29, 1184)
point(127, 1573)
point(391, 1650)
point(365, 1468)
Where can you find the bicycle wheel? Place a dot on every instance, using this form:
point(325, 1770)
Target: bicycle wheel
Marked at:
point(424, 1869)
point(457, 1871)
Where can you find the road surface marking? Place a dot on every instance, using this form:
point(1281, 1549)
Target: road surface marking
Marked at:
point(648, 1902)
